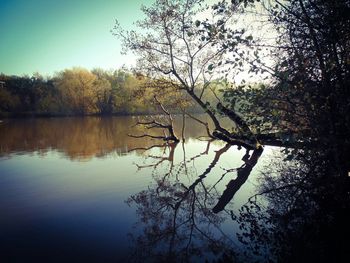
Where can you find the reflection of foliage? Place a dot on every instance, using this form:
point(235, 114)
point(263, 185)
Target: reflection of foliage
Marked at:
point(174, 217)
point(78, 138)
point(178, 222)
point(303, 214)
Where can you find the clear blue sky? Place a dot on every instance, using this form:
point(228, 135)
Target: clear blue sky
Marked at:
point(47, 36)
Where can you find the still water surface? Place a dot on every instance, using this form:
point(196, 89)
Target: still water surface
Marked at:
point(81, 189)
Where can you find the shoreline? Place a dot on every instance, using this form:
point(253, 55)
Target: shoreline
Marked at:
point(57, 115)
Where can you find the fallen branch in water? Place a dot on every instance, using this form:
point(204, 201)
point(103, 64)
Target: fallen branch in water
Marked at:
point(156, 124)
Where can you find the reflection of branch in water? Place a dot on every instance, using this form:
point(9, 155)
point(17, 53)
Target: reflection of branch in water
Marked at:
point(300, 212)
point(242, 175)
point(178, 224)
point(244, 158)
point(162, 158)
point(207, 171)
point(148, 148)
point(222, 176)
point(192, 187)
point(147, 135)
point(184, 163)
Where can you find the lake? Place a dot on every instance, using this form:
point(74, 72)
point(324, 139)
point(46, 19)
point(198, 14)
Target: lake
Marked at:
point(82, 190)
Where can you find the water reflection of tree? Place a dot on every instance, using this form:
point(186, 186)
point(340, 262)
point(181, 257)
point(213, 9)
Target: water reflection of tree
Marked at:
point(78, 138)
point(178, 222)
point(301, 213)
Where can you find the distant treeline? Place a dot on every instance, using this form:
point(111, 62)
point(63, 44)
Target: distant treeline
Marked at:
point(76, 91)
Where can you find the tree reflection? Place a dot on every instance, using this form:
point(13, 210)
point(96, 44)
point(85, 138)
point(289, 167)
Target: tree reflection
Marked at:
point(243, 173)
point(177, 219)
point(298, 214)
point(78, 138)
point(301, 211)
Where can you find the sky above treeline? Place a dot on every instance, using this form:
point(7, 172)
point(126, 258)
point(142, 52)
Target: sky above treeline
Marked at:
point(47, 36)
